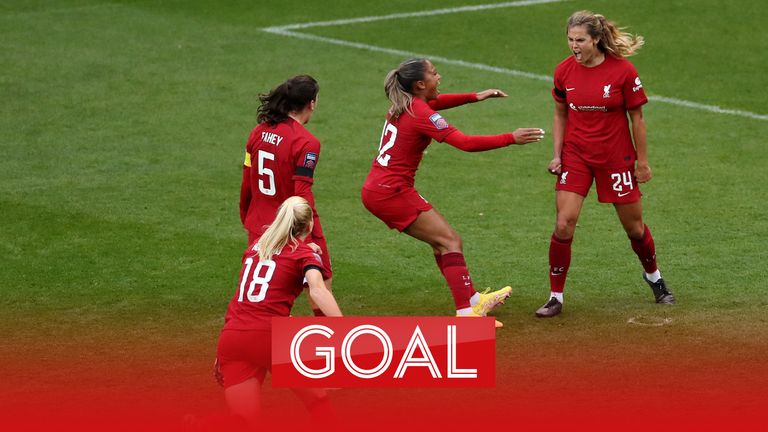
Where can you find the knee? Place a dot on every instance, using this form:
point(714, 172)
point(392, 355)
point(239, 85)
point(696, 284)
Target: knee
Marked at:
point(450, 241)
point(565, 227)
point(636, 231)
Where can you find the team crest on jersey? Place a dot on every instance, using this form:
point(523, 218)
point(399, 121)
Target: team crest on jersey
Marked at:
point(607, 91)
point(310, 160)
point(438, 121)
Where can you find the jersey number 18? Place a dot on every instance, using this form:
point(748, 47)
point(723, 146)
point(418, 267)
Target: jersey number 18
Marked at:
point(256, 279)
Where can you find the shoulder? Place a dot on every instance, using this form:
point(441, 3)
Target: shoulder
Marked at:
point(305, 253)
point(564, 68)
point(251, 251)
point(421, 109)
point(256, 131)
point(620, 63)
point(566, 64)
point(302, 134)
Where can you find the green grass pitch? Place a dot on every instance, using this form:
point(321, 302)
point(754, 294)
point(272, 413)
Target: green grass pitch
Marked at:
point(124, 124)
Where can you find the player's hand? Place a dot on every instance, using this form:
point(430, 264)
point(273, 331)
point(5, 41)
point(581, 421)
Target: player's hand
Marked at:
point(555, 166)
point(643, 172)
point(490, 93)
point(528, 135)
point(217, 373)
point(315, 248)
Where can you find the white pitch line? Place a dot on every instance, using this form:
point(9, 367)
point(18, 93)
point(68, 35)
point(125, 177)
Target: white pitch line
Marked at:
point(409, 54)
point(49, 11)
point(710, 108)
point(413, 14)
point(285, 30)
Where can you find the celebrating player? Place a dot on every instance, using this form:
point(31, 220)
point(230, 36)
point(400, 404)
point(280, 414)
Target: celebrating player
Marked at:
point(271, 278)
point(412, 123)
point(594, 90)
point(280, 160)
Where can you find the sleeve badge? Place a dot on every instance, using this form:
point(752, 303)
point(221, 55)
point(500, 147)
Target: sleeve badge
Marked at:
point(438, 121)
point(310, 160)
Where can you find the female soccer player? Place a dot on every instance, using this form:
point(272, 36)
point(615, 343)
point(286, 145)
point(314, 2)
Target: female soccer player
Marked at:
point(280, 160)
point(595, 88)
point(411, 125)
point(271, 278)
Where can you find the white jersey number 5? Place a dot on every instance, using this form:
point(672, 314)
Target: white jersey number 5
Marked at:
point(383, 157)
point(266, 187)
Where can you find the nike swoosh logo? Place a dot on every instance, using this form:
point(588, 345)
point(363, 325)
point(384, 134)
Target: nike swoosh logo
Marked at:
point(624, 194)
point(569, 89)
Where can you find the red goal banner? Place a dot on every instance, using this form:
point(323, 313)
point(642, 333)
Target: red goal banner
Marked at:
point(383, 352)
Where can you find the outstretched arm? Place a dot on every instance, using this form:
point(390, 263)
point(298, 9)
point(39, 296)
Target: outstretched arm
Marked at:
point(452, 100)
point(490, 93)
point(320, 295)
point(447, 101)
point(477, 143)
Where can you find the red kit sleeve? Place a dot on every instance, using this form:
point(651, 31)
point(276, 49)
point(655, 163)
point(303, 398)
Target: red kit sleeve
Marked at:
point(478, 143)
point(448, 101)
point(306, 160)
point(634, 95)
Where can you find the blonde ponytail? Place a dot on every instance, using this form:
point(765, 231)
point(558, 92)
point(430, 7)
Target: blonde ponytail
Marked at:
point(611, 38)
point(292, 222)
point(398, 85)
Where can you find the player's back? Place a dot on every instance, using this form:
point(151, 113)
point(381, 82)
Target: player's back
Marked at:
point(273, 150)
point(268, 288)
point(403, 141)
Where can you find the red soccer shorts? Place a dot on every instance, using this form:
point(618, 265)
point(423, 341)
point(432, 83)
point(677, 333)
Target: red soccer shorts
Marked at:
point(397, 208)
point(244, 354)
point(614, 185)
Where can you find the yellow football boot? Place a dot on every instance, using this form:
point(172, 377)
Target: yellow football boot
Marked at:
point(489, 300)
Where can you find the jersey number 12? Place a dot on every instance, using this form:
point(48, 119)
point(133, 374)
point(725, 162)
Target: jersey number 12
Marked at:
point(383, 157)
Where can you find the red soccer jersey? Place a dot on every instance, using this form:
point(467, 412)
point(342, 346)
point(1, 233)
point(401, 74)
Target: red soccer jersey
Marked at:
point(403, 141)
point(269, 288)
point(277, 158)
point(598, 98)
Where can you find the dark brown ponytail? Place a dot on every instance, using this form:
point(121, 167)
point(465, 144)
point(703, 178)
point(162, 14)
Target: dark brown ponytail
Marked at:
point(292, 95)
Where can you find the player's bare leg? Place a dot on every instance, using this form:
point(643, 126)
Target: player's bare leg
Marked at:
point(244, 401)
point(319, 407)
point(568, 206)
point(432, 228)
point(631, 217)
